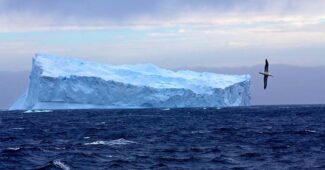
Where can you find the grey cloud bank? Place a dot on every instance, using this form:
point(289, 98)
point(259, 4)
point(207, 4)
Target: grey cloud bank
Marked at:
point(101, 13)
point(171, 33)
point(121, 8)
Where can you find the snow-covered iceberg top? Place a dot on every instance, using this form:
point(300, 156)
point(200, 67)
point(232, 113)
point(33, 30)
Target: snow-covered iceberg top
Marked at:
point(62, 82)
point(139, 75)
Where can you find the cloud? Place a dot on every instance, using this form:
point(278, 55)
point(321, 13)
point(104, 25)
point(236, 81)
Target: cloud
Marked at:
point(170, 33)
point(40, 15)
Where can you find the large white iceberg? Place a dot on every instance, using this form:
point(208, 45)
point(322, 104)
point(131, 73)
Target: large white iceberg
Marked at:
point(68, 83)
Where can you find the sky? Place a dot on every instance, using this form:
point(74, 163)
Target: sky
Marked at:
point(223, 36)
point(168, 33)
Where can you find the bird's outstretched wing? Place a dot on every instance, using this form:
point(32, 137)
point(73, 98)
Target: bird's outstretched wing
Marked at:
point(266, 68)
point(265, 82)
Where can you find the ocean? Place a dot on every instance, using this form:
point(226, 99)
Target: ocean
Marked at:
point(256, 137)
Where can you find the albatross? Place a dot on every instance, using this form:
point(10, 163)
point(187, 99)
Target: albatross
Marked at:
point(266, 73)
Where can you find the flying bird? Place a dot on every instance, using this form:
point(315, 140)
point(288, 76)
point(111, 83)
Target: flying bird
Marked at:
point(266, 73)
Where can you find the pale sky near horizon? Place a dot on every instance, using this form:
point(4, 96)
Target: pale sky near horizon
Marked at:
point(169, 33)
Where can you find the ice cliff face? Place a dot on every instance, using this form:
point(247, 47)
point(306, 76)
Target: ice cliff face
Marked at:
point(66, 83)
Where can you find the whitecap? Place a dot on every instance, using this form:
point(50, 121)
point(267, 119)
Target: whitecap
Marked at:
point(112, 142)
point(28, 111)
point(96, 143)
point(58, 148)
point(101, 123)
point(166, 109)
point(61, 165)
point(38, 111)
point(311, 131)
point(200, 131)
point(18, 128)
point(13, 149)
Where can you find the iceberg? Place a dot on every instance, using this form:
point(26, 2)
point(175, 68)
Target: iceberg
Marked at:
point(69, 83)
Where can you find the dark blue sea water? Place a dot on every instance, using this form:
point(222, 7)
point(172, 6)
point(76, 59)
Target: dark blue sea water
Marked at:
point(270, 137)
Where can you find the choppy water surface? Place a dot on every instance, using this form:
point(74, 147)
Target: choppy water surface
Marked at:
point(273, 137)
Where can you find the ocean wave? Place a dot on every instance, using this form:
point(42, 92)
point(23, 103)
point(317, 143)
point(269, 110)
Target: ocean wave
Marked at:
point(61, 165)
point(112, 142)
point(38, 111)
point(13, 148)
point(18, 128)
point(11, 151)
point(59, 148)
point(55, 164)
point(311, 131)
point(200, 131)
point(189, 138)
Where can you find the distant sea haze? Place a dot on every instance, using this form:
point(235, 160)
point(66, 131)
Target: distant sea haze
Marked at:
point(290, 84)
